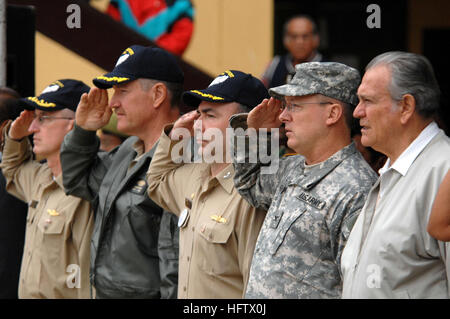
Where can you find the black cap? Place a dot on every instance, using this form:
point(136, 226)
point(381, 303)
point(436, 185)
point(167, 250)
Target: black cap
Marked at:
point(142, 62)
point(230, 86)
point(61, 94)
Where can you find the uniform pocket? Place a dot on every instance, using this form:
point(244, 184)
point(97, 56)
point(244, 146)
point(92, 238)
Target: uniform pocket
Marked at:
point(51, 225)
point(53, 239)
point(215, 234)
point(214, 248)
point(145, 228)
point(289, 220)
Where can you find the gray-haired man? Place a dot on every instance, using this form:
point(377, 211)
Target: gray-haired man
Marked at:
point(389, 253)
point(313, 198)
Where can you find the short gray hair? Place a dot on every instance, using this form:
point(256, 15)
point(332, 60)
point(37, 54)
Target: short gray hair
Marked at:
point(244, 108)
point(347, 109)
point(411, 74)
point(175, 89)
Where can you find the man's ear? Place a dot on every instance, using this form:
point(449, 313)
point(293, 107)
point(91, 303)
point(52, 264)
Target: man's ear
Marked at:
point(158, 94)
point(335, 112)
point(2, 125)
point(70, 125)
point(407, 108)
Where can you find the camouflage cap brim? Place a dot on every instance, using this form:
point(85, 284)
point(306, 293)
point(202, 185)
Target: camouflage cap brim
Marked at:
point(280, 92)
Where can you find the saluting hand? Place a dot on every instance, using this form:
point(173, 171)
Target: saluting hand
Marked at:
point(20, 127)
point(265, 115)
point(187, 122)
point(93, 111)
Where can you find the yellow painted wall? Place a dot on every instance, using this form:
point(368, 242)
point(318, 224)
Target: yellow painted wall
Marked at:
point(231, 34)
point(54, 61)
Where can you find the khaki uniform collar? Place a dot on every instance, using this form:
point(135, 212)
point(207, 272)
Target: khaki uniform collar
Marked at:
point(224, 178)
point(139, 147)
point(59, 180)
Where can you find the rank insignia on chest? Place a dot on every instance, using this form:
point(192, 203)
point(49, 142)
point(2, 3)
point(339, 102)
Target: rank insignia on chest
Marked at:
point(52, 212)
point(219, 219)
point(311, 200)
point(140, 187)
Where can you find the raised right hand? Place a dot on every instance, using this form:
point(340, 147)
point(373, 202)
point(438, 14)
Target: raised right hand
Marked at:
point(19, 128)
point(186, 122)
point(265, 115)
point(93, 111)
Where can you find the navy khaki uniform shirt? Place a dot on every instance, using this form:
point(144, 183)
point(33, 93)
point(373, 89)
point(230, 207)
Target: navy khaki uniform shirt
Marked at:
point(218, 236)
point(55, 261)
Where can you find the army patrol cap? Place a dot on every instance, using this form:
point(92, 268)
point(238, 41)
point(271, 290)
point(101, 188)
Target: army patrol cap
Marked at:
point(229, 86)
point(61, 94)
point(332, 79)
point(137, 62)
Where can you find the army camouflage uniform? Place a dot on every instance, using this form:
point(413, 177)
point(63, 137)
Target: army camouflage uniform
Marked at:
point(311, 210)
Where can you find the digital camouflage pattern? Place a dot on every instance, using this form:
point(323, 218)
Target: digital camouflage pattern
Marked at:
point(311, 210)
point(332, 79)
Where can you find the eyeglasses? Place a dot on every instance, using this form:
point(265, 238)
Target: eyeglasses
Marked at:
point(46, 118)
point(292, 107)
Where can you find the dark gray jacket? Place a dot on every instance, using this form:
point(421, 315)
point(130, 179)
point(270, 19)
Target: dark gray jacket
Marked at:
point(125, 257)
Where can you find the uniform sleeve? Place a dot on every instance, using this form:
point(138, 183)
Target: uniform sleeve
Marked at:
point(83, 166)
point(248, 230)
point(167, 178)
point(255, 181)
point(82, 232)
point(168, 246)
point(343, 219)
point(19, 169)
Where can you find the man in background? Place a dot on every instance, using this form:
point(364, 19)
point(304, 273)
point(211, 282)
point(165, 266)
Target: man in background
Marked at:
point(301, 40)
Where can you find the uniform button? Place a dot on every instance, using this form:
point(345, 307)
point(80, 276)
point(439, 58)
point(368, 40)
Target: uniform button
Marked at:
point(193, 228)
point(187, 258)
point(184, 288)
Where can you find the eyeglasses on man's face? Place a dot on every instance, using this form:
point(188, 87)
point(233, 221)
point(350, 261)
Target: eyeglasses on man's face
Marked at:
point(42, 119)
point(294, 107)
